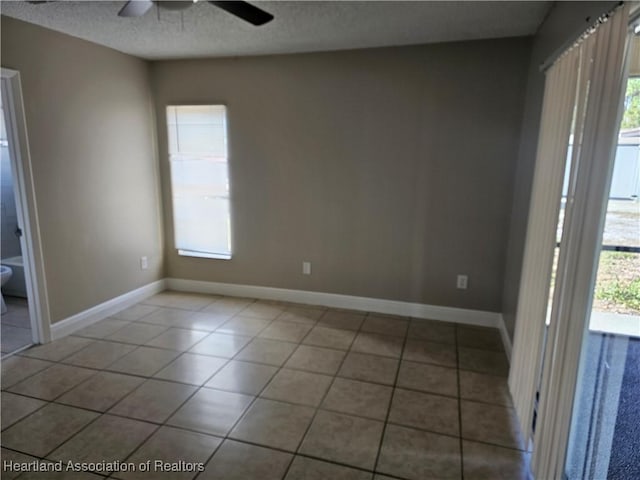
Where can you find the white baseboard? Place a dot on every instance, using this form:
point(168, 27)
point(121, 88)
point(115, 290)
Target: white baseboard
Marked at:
point(99, 312)
point(391, 307)
point(504, 334)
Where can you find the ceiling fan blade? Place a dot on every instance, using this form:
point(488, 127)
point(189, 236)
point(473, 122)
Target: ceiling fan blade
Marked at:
point(245, 11)
point(135, 8)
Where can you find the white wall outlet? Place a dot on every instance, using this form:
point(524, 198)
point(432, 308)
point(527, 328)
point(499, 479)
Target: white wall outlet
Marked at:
point(306, 268)
point(462, 281)
point(144, 263)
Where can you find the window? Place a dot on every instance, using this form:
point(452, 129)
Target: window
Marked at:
point(199, 180)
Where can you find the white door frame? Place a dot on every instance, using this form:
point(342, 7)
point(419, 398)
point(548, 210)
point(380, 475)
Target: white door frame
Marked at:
point(27, 211)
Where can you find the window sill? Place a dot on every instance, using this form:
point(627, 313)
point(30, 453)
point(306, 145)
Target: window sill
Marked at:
point(217, 256)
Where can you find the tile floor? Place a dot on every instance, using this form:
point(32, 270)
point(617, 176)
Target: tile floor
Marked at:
point(262, 390)
point(15, 325)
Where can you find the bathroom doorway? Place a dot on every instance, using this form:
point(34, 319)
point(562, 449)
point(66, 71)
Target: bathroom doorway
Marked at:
point(26, 318)
point(15, 321)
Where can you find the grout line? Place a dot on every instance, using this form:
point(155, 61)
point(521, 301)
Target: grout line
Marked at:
point(389, 407)
point(459, 405)
point(317, 409)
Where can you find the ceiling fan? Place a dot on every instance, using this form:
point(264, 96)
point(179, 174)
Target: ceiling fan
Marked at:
point(243, 10)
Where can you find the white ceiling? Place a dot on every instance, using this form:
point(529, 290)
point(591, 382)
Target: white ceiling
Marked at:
point(204, 30)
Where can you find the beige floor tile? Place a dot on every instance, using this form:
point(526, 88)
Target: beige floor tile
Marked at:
point(342, 319)
point(417, 455)
point(479, 337)
point(137, 333)
point(101, 391)
point(432, 331)
point(9, 456)
point(240, 325)
point(303, 315)
point(108, 439)
point(240, 461)
point(144, 361)
point(136, 312)
point(274, 424)
point(42, 431)
point(484, 388)
point(483, 361)
point(286, 331)
point(385, 325)
point(430, 352)
point(183, 300)
point(172, 445)
point(267, 311)
point(344, 439)
point(369, 368)
point(16, 407)
point(330, 338)
point(61, 476)
point(481, 461)
point(53, 382)
point(296, 386)
point(17, 368)
point(242, 377)
point(191, 368)
point(207, 322)
point(153, 401)
point(211, 411)
point(177, 339)
point(425, 411)
point(304, 468)
point(99, 354)
point(169, 317)
point(58, 349)
point(316, 359)
point(102, 328)
point(220, 345)
point(358, 398)
point(490, 424)
point(378, 344)
point(228, 306)
point(428, 378)
point(271, 352)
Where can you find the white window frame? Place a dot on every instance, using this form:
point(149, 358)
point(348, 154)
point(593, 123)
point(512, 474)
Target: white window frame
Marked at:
point(222, 255)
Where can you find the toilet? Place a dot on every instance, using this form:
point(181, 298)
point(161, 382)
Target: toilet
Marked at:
point(5, 275)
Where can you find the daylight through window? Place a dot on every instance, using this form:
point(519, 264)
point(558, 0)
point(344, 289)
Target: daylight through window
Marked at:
point(199, 180)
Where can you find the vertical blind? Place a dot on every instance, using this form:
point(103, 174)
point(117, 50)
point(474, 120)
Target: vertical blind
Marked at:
point(553, 143)
point(582, 89)
point(199, 180)
point(599, 103)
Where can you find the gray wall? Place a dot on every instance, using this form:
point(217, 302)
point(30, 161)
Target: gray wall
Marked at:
point(391, 170)
point(565, 22)
point(90, 124)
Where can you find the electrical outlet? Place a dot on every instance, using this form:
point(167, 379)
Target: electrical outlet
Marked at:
point(144, 263)
point(462, 281)
point(306, 268)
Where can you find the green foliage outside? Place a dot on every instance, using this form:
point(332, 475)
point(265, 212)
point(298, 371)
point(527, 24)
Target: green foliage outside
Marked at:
point(618, 282)
point(631, 118)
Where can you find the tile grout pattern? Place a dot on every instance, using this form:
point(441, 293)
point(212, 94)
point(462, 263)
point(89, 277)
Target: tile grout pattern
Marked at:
point(253, 424)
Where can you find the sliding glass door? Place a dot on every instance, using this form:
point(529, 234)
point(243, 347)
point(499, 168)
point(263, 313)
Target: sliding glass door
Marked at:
point(604, 441)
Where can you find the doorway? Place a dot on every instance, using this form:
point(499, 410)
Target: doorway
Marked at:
point(26, 319)
point(15, 322)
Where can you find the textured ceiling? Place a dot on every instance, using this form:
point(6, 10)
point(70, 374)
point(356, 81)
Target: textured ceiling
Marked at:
point(206, 31)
